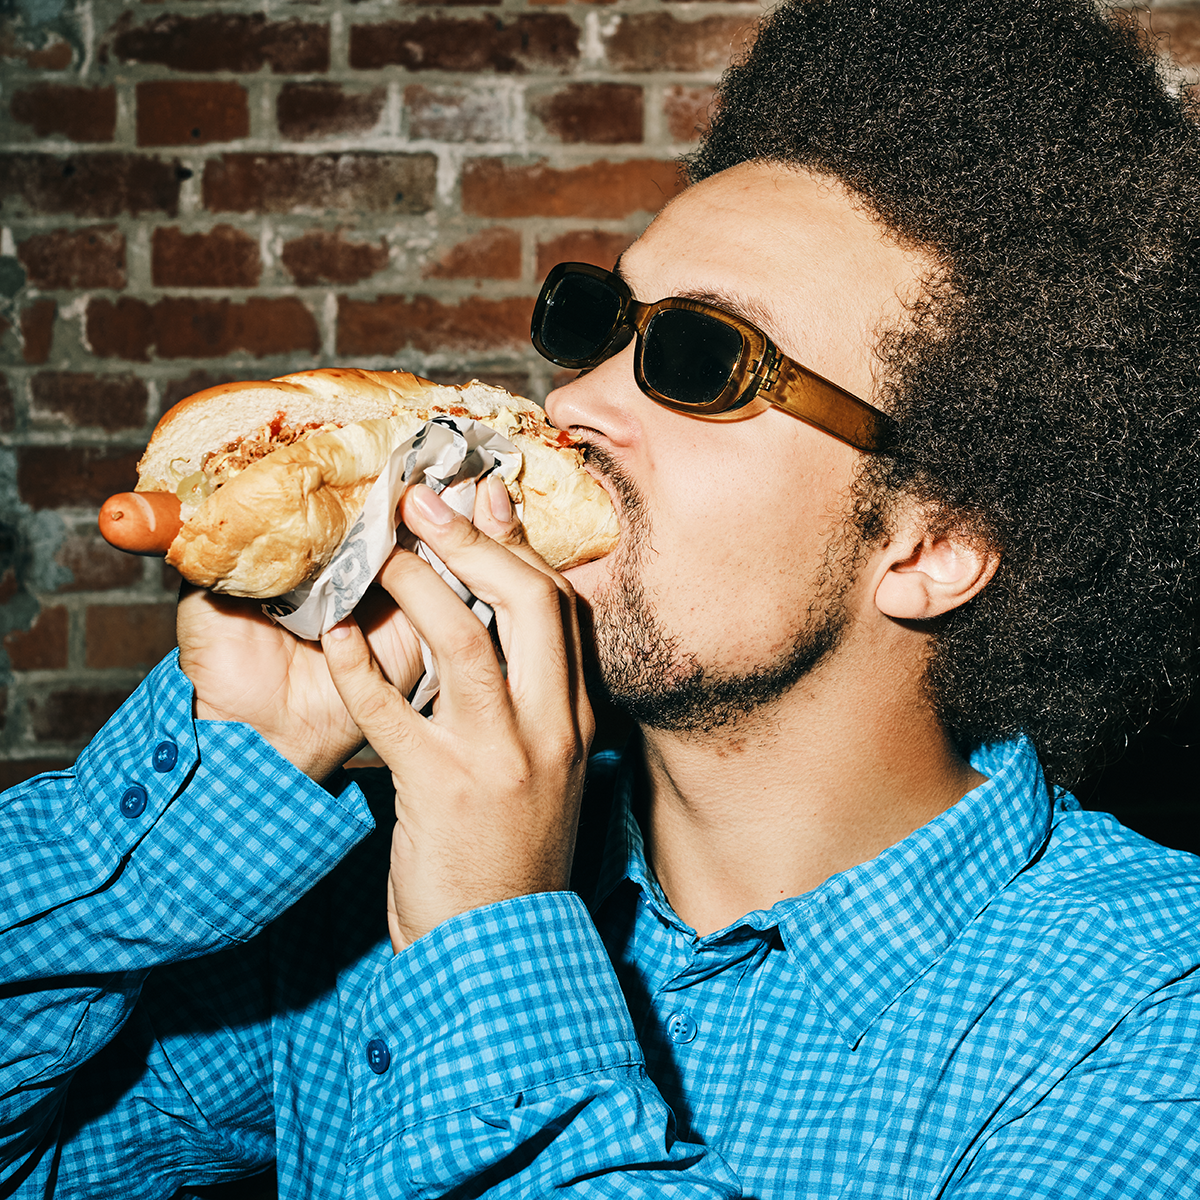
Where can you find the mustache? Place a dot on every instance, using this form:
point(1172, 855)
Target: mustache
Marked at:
point(605, 464)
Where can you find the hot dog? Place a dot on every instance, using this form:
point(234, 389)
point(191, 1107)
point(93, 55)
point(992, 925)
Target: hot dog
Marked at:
point(249, 488)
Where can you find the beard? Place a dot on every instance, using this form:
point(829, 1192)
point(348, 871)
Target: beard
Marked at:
point(643, 669)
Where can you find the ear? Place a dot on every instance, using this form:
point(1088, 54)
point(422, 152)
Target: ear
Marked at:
point(928, 573)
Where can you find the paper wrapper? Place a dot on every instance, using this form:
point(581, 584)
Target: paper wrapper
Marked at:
point(451, 455)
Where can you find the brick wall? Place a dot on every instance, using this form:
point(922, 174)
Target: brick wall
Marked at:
point(193, 191)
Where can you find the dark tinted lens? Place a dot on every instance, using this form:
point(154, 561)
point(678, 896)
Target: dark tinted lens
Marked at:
point(578, 318)
point(689, 357)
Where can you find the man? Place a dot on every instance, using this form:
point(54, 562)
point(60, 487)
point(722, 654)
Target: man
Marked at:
point(836, 933)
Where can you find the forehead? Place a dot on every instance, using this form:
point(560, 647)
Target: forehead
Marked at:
point(790, 251)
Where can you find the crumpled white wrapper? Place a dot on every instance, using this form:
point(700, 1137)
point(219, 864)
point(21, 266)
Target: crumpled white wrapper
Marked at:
point(451, 455)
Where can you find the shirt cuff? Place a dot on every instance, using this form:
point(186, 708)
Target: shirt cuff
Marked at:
point(499, 1000)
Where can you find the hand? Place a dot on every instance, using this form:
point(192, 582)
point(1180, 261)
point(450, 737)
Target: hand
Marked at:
point(487, 788)
point(246, 668)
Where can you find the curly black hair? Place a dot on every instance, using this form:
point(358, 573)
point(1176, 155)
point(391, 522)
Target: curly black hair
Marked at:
point(1048, 385)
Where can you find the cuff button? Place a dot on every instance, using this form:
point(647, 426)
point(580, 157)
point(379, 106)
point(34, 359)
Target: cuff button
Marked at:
point(165, 755)
point(133, 803)
point(378, 1056)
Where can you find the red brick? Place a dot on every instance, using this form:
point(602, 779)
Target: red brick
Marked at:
point(387, 324)
point(660, 42)
point(456, 114)
point(532, 42)
point(129, 635)
point(73, 714)
point(593, 246)
point(222, 257)
point(41, 647)
point(349, 183)
point(305, 111)
point(9, 585)
point(174, 112)
point(8, 407)
point(75, 258)
point(238, 42)
point(120, 329)
point(37, 330)
point(321, 256)
point(187, 327)
point(492, 254)
point(14, 771)
point(96, 566)
point(1177, 30)
point(603, 113)
point(112, 402)
point(493, 188)
point(54, 54)
point(686, 110)
point(91, 185)
point(73, 476)
point(79, 113)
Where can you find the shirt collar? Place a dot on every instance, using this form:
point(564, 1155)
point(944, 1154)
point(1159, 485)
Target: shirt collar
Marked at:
point(866, 934)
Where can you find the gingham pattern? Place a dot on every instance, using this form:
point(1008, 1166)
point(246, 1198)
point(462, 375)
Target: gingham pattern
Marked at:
point(1003, 1004)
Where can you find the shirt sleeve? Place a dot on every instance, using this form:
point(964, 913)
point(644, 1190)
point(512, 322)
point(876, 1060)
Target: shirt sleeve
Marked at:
point(1122, 1124)
point(496, 1056)
point(169, 839)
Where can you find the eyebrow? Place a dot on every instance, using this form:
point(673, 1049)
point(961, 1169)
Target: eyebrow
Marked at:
point(747, 309)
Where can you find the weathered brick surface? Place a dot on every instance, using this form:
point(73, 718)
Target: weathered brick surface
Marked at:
point(533, 41)
point(324, 256)
point(595, 246)
point(83, 400)
point(686, 111)
point(43, 646)
point(490, 254)
point(192, 327)
point(131, 635)
point(18, 770)
point(176, 112)
point(92, 257)
point(8, 407)
point(90, 185)
point(306, 111)
point(180, 388)
point(95, 566)
point(72, 713)
point(37, 330)
point(602, 113)
point(1178, 29)
point(73, 476)
point(221, 41)
point(43, 51)
point(387, 324)
point(456, 114)
point(318, 183)
point(664, 42)
point(81, 114)
point(221, 257)
point(493, 188)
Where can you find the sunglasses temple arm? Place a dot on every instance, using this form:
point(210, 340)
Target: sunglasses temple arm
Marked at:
point(809, 396)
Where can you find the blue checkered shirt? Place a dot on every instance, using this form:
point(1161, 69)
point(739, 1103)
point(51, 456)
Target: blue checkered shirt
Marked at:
point(197, 980)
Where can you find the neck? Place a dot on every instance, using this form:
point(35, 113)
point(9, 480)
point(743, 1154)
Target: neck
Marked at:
point(826, 778)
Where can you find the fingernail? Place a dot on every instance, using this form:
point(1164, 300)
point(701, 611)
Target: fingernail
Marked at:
point(432, 505)
point(498, 499)
point(340, 630)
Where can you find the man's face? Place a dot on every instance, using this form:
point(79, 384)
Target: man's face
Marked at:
point(733, 575)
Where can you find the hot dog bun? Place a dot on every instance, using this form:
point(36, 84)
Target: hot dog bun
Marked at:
point(271, 475)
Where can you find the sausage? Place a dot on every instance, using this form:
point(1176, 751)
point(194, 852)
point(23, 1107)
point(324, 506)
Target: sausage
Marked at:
point(141, 522)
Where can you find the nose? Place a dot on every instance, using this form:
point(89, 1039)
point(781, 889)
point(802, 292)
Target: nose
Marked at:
point(604, 401)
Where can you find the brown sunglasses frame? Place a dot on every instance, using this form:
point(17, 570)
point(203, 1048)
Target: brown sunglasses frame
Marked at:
point(762, 370)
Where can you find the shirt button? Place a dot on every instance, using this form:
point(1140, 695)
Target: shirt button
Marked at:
point(681, 1028)
point(133, 803)
point(165, 755)
point(378, 1057)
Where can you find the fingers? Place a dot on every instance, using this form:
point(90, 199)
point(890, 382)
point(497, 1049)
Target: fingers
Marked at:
point(374, 705)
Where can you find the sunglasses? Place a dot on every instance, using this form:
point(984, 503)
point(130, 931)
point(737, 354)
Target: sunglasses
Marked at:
point(691, 356)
